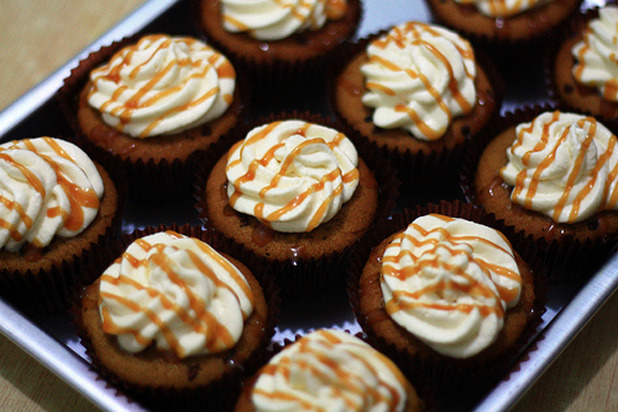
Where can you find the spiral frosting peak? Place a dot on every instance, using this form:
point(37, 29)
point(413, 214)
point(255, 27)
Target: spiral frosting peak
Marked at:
point(162, 85)
point(419, 77)
point(292, 175)
point(279, 19)
point(177, 292)
point(449, 282)
point(48, 187)
point(563, 165)
point(329, 370)
point(597, 54)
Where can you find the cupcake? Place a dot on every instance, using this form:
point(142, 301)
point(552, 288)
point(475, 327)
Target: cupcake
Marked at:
point(56, 208)
point(447, 298)
point(172, 320)
point(153, 104)
point(417, 93)
point(503, 22)
point(553, 177)
point(295, 192)
point(329, 370)
point(278, 40)
point(584, 70)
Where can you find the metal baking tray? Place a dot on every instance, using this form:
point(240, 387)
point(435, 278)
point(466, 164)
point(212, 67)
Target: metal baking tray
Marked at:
point(52, 339)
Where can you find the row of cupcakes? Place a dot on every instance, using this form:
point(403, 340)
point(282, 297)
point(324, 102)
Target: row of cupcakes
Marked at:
point(173, 322)
point(420, 121)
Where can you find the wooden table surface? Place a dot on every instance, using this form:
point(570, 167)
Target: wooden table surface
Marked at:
point(37, 37)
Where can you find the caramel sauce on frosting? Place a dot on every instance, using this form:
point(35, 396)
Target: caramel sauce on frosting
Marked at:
point(292, 175)
point(279, 19)
point(597, 54)
point(329, 370)
point(563, 165)
point(162, 85)
point(49, 187)
point(419, 77)
point(175, 291)
point(449, 281)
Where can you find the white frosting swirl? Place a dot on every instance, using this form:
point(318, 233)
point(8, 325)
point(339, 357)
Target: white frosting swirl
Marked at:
point(48, 187)
point(329, 370)
point(563, 165)
point(502, 8)
point(597, 54)
point(419, 77)
point(278, 19)
point(292, 175)
point(162, 85)
point(176, 291)
point(448, 281)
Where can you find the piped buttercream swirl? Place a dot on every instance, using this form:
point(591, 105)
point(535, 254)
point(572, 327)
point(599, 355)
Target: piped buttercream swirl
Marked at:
point(292, 175)
point(449, 282)
point(162, 85)
point(597, 54)
point(329, 370)
point(279, 19)
point(418, 78)
point(564, 166)
point(176, 292)
point(48, 187)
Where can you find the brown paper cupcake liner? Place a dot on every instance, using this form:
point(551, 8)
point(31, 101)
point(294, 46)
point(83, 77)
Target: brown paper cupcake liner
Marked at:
point(502, 46)
point(576, 24)
point(221, 393)
point(301, 274)
point(149, 179)
point(275, 76)
point(420, 171)
point(47, 288)
point(564, 255)
point(462, 379)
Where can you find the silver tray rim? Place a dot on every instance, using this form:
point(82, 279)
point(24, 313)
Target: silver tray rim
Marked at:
point(60, 359)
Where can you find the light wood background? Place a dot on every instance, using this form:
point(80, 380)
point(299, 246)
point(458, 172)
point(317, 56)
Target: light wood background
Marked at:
point(37, 37)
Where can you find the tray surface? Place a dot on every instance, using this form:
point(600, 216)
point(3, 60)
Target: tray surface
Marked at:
point(52, 340)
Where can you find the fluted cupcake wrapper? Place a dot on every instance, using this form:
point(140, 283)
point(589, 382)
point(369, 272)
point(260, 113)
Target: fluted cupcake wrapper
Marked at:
point(222, 391)
point(295, 272)
point(463, 379)
point(46, 285)
point(149, 178)
point(608, 111)
point(565, 252)
point(431, 168)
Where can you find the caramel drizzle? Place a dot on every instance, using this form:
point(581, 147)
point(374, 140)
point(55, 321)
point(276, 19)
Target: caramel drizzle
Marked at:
point(332, 176)
point(610, 87)
point(78, 197)
point(124, 112)
point(406, 300)
point(346, 384)
point(201, 321)
point(333, 9)
point(610, 199)
point(398, 37)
